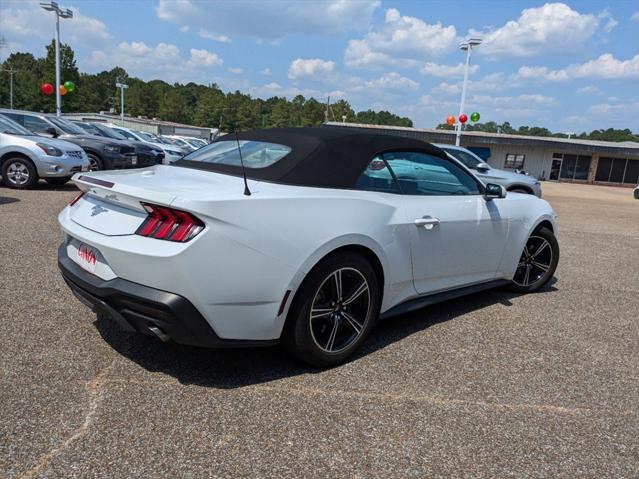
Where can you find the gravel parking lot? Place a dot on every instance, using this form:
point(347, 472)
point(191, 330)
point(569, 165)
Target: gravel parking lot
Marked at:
point(493, 385)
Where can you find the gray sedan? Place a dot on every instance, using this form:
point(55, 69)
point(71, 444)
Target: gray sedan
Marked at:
point(517, 182)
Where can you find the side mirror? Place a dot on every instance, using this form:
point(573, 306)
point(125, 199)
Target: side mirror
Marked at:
point(494, 191)
point(52, 131)
point(482, 166)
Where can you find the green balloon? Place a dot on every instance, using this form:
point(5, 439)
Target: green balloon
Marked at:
point(69, 85)
point(474, 116)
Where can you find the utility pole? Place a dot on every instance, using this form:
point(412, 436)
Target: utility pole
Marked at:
point(122, 87)
point(468, 47)
point(10, 71)
point(59, 13)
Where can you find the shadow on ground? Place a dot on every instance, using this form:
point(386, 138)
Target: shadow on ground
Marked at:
point(7, 200)
point(232, 368)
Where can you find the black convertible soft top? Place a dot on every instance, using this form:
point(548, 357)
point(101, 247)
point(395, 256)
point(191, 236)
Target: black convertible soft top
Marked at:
point(319, 157)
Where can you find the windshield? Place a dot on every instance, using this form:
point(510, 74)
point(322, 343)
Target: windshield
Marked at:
point(88, 128)
point(196, 143)
point(467, 158)
point(66, 126)
point(149, 137)
point(13, 128)
point(108, 132)
point(255, 154)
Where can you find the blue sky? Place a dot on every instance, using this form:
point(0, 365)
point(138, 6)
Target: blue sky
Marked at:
point(570, 66)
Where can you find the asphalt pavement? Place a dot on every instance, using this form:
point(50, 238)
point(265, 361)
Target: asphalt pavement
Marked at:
point(492, 385)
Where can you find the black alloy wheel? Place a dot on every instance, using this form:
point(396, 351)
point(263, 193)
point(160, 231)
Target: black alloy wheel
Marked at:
point(333, 310)
point(537, 263)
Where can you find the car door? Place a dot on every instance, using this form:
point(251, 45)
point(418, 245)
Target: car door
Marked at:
point(457, 237)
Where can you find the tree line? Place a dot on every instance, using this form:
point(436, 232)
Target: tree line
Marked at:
point(610, 134)
point(191, 103)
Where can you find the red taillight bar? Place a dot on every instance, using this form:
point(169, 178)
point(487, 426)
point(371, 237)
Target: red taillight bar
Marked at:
point(169, 224)
point(76, 199)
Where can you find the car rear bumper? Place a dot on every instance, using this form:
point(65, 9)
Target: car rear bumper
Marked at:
point(143, 309)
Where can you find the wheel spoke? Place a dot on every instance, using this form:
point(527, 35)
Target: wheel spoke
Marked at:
point(337, 276)
point(353, 323)
point(540, 249)
point(331, 339)
point(320, 312)
point(356, 294)
point(527, 276)
point(540, 266)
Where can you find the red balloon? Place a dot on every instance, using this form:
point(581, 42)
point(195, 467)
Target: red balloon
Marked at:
point(450, 119)
point(463, 118)
point(47, 88)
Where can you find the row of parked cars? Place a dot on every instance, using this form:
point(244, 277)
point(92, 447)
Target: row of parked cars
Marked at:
point(36, 146)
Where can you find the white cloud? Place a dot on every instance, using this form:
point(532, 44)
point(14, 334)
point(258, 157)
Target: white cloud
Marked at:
point(163, 61)
point(28, 19)
point(488, 83)
point(613, 108)
point(204, 58)
point(589, 89)
point(236, 70)
point(635, 17)
point(265, 72)
point(550, 29)
point(204, 33)
point(393, 80)
point(270, 20)
point(447, 71)
point(401, 40)
point(309, 67)
point(605, 67)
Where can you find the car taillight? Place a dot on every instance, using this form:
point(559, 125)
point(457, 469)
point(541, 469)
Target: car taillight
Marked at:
point(169, 224)
point(76, 199)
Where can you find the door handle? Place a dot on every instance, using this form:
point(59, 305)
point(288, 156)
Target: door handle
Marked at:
point(426, 222)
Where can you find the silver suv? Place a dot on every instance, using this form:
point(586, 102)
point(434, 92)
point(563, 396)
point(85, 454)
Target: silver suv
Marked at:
point(517, 182)
point(26, 157)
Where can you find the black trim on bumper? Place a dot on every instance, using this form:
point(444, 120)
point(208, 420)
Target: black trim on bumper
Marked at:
point(136, 307)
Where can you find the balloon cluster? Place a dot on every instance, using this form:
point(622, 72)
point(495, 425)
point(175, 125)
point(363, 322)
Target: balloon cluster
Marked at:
point(67, 87)
point(474, 117)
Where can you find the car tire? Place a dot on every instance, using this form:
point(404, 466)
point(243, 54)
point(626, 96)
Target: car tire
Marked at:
point(57, 181)
point(324, 327)
point(537, 263)
point(95, 162)
point(19, 173)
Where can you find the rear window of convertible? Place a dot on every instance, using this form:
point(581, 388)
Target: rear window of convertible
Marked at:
point(256, 154)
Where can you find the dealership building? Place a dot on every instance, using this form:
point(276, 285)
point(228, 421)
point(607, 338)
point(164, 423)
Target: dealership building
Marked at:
point(150, 125)
point(559, 159)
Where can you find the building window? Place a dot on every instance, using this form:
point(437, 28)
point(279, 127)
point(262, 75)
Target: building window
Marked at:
point(573, 167)
point(618, 170)
point(514, 161)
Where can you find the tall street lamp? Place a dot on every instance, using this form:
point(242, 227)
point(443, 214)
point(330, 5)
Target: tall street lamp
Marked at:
point(468, 47)
point(122, 87)
point(59, 13)
point(10, 71)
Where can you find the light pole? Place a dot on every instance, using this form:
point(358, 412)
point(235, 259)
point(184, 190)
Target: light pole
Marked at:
point(10, 71)
point(59, 13)
point(468, 47)
point(122, 87)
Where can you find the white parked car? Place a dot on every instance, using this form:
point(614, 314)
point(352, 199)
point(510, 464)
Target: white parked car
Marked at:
point(26, 157)
point(320, 238)
point(171, 154)
point(636, 192)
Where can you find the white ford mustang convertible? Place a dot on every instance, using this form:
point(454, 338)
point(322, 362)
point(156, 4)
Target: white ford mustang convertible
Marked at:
point(299, 236)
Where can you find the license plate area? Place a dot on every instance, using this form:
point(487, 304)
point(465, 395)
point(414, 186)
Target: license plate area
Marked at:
point(89, 258)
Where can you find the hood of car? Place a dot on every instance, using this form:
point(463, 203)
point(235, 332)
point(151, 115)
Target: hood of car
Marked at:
point(510, 176)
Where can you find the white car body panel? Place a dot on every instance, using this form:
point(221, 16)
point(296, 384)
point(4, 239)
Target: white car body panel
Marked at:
point(255, 248)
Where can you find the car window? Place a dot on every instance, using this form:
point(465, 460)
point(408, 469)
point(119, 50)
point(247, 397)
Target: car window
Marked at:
point(255, 154)
point(377, 177)
point(7, 125)
point(125, 134)
point(466, 158)
point(66, 126)
point(423, 174)
point(35, 124)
